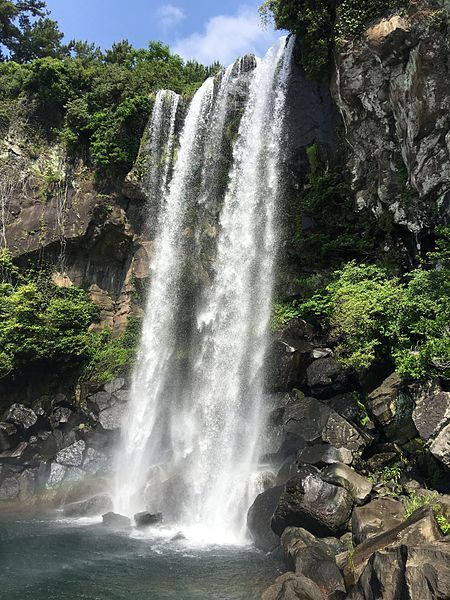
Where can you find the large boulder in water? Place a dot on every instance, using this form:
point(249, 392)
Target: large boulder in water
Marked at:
point(115, 521)
point(147, 519)
point(259, 519)
point(313, 504)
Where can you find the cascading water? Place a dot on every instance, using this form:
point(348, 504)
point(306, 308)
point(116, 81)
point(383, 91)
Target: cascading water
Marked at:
point(190, 447)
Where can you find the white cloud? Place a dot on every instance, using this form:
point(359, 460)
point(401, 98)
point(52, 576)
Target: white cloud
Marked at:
point(170, 15)
point(226, 37)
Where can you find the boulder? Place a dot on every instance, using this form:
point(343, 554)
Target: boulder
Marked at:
point(314, 559)
point(259, 519)
point(56, 476)
point(115, 521)
point(72, 456)
point(431, 414)
point(99, 401)
point(20, 415)
point(379, 515)
point(410, 572)
point(392, 410)
point(313, 504)
point(419, 528)
point(289, 355)
point(146, 519)
point(60, 415)
point(178, 537)
point(326, 377)
point(293, 587)
point(346, 405)
point(94, 461)
point(97, 505)
point(111, 418)
point(440, 447)
point(359, 487)
point(27, 484)
point(7, 432)
point(15, 453)
point(114, 386)
point(9, 488)
point(323, 454)
point(313, 421)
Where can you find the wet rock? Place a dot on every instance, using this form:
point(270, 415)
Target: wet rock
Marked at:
point(379, 515)
point(60, 415)
point(97, 505)
point(72, 456)
point(94, 461)
point(64, 438)
point(27, 484)
point(321, 353)
point(178, 537)
point(9, 488)
point(259, 519)
point(115, 521)
point(340, 474)
point(114, 386)
point(346, 405)
point(56, 476)
point(293, 587)
point(314, 421)
point(431, 414)
point(7, 433)
point(313, 504)
point(314, 559)
point(289, 355)
point(20, 415)
point(15, 453)
point(111, 418)
point(147, 519)
point(392, 410)
point(99, 401)
point(326, 377)
point(323, 454)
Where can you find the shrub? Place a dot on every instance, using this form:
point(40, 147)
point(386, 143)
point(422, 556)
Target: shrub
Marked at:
point(431, 499)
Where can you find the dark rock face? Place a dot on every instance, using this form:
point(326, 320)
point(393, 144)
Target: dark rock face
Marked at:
point(72, 456)
point(91, 507)
point(146, 519)
point(7, 431)
point(259, 519)
point(379, 515)
point(116, 521)
point(311, 503)
point(314, 559)
point(340, 474)
point(326, 377)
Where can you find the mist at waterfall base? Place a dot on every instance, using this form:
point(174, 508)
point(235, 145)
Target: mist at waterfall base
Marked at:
point(192, 437)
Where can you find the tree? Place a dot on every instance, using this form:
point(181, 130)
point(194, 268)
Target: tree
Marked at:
point(39, 39)
point(15, 17)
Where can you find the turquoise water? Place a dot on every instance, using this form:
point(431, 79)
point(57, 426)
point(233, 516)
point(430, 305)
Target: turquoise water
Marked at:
point(63, 560)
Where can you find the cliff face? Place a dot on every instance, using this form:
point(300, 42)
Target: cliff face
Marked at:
point(391, 88)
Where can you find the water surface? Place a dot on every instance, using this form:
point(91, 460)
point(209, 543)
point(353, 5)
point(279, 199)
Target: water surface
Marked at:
point(64, 560)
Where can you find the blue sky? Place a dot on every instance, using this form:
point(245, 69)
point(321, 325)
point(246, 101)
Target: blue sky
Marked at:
point(207, 30)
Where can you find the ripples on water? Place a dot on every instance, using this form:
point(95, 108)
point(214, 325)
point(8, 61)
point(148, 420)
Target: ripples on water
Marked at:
point(67, 560)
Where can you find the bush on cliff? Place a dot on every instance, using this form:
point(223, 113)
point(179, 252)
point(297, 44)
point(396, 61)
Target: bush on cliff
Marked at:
point(374, 316)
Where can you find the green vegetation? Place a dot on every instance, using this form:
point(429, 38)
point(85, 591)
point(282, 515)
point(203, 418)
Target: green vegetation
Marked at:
point(96, 103)
point(40, 323)
point(431, 499)
point(319, 24)
point(375, 316)
point(46, 326)
point(110, 356)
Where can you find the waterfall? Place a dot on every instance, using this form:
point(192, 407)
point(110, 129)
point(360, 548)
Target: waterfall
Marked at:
point(190, 440)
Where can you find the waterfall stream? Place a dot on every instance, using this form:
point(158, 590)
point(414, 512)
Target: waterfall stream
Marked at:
point(190, 441)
